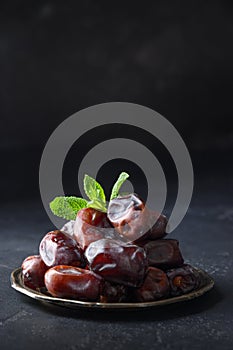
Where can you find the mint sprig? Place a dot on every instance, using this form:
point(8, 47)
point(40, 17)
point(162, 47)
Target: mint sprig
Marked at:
point(121, 179)
point(95, 193)
point(68, 207)
point(93, 189)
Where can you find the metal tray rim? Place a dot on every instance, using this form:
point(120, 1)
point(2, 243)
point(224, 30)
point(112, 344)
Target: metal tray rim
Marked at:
point(17, 284)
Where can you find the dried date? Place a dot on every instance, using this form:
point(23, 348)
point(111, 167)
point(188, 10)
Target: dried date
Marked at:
point(58, 248)
point(134, 221)
point(163, 253)
point(155, 286)
point(117, 261)
point(183, 279)
point(33, 270)
point(73, 282)
point(92, 225)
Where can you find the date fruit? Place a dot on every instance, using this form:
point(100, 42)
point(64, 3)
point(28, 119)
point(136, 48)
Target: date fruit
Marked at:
point(117, 261)
point(158, 224)
point(33, 270)
point(90, 226)
point(183, 279)
point(163, 253)
point(114, 293)
point(73, 282)
point(58, 248)
point(133, 220)
point(68, 228)
point(155, 286)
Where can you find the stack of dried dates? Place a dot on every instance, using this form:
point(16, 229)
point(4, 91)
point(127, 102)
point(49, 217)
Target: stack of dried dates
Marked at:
point(118, 256)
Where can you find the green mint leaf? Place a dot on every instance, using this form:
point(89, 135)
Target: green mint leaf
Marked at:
point(121, 179)
point(67, 207)
point(97, 205)
point(94, 190)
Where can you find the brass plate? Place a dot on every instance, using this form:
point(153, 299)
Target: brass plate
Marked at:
point(17, 283)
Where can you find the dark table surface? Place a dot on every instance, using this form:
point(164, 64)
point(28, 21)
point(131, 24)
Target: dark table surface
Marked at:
point(205, 237)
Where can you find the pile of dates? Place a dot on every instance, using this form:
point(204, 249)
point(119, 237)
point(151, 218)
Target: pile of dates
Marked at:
point(118, 256)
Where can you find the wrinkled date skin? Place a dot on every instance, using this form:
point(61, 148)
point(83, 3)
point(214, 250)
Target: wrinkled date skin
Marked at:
point(155, 286)
point(133, 220)
point(92, 225)
point(114, 293)
point(73, 282)
point(158, 223)
point(183, 280)
point(58, 248)
point(117, 261)
point(68, 228)
point(33, 271)
point(163, 253)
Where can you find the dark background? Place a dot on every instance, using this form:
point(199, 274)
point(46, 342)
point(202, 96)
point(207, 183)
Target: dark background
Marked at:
point(57, 57)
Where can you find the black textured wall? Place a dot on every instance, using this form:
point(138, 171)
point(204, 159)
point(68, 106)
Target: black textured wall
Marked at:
point(58, 57)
